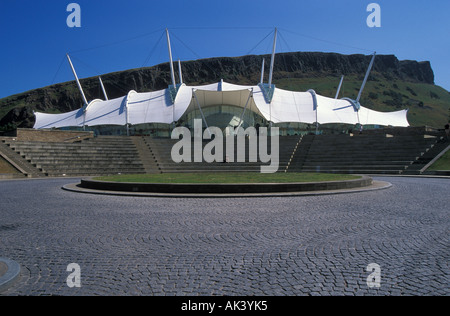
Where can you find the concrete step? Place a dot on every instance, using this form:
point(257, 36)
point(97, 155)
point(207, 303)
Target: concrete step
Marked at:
point(358, 163)
point(84, 174)
point(79, 150)
point(88, 172)
point(18, 162)
point(351, 171)
point(116, 169)
point(146, 155)
point(50, 159)
point(356, 167)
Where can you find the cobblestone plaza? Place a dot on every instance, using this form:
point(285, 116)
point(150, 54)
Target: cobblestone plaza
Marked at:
point(284, 246)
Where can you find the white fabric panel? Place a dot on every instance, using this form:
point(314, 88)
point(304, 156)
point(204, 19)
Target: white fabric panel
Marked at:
point(237, 98)
point(371, 117)
point(182, 101)
point(234, 87)
point(208, 87)
point(232, 97)
point(287, 106)
point(209, 97)
point(156, 107)
point(150, 107)
point(260, 102)
point(342, 111)
point(112, 112)
point(335, 111)
point(70, 119)
point(221, 86)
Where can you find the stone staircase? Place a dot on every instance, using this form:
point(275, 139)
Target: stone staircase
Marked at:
point(146, 155)
point(23, 167)
point(376, 153)
point(162, 149)
point(434, 150)
point(300, 154)
point(360, 154)
point(105, 155)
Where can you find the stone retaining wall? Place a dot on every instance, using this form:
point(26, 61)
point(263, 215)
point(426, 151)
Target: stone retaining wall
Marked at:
point(364, 181)
point(51, 136)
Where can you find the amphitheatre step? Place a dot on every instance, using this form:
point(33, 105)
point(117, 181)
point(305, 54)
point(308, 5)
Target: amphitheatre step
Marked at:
point(146, 155)
point(91, 172)
point(62, 159)
point(355, 171)
point(21, 164)
point(187, 168)
point(356, 163)
point(66, 149)
point(103, 155)
point(69, 147)
point(91, 166)
point(333, 153)
point(355, 167)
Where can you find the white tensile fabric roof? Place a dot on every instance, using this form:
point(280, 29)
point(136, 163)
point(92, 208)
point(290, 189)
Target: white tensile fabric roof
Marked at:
point(157, 107)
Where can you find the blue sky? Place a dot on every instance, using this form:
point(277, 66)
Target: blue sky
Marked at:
point(118, 35)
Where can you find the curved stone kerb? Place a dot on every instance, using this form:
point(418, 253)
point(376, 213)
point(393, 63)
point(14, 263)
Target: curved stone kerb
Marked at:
point(221, 188)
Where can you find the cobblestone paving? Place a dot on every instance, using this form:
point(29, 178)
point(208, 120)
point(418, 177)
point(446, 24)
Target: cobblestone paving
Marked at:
point(263, 246)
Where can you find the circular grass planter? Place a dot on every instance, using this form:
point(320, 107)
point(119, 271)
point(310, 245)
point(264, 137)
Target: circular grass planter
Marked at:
point(224, 188)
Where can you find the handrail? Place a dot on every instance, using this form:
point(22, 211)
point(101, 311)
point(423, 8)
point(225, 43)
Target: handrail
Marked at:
point(428, 165)
point(293, 153)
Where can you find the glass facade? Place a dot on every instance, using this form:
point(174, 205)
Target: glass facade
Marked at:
point(221, 116)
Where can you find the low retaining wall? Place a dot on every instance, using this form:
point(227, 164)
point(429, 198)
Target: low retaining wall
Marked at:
point(364, 181)
point(51, 136)
point(402, 131)
point(445, 173)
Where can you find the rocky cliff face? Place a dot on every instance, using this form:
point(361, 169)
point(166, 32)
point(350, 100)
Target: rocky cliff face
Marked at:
point(65, 97)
